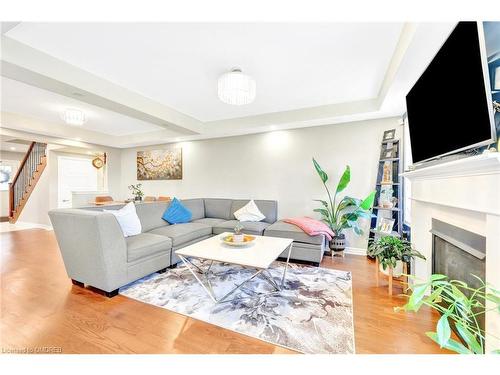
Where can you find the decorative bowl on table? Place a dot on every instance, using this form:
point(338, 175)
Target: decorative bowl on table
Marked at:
point(229, 240)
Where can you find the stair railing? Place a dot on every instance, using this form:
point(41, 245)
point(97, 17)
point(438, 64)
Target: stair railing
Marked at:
point(25, 174)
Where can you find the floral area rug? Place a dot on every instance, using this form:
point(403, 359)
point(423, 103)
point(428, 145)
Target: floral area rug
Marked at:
point(312, 314)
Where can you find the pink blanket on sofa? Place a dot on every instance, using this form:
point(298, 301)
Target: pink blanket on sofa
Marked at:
point(311, 226)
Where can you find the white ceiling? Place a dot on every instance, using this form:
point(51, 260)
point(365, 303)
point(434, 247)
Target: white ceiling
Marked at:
point(177, 64)
point(18, 97)
point(152, 83)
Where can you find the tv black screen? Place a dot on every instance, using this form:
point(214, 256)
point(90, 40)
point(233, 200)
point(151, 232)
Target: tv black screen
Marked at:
point(448, 108)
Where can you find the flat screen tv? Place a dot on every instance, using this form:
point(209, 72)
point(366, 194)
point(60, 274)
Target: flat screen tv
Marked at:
point(450, 108)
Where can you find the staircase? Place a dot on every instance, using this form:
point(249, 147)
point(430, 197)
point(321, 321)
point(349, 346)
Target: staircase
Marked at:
point(27, 176)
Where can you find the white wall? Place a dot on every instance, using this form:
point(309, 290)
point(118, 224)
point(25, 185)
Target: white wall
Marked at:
point(274, 165)
point(4, 194)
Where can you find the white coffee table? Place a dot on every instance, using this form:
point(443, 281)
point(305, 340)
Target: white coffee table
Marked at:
point(259, 256)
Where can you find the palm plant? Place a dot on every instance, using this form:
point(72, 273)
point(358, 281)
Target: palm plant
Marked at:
point(389, 250)
point(459, 304)
point(346, 213)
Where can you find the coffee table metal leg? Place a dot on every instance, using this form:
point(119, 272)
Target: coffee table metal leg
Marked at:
point(187, 263)
point(209, 290)
point(286, 265)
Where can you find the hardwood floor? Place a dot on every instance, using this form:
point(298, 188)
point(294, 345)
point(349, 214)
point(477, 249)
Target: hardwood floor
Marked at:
point(42, 309)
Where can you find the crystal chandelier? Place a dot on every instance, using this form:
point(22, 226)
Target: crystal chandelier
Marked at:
point(236, 88)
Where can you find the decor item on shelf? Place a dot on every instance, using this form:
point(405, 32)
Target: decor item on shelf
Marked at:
point(459, 305)
point(387, 173)
point(389, 152)
point(238, 234)
point(390, 250)
point(74, 117)
point(159, 164)
point(344, 215)
point(98, 163)
point(136, 191)
point(389, 134)
point(236, 88)
point(386, 225)
point(385, 199)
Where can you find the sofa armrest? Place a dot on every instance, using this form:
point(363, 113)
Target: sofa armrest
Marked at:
point(92, 246)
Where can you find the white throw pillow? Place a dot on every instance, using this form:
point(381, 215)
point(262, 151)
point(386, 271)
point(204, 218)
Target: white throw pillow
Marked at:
point(128, 219)
point(249, 212)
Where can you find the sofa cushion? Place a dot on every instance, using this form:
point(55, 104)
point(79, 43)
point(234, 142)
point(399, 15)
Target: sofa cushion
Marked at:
point(146, 244)
point(249, 227)
point(249, 212)
point(268, 208)
point(209, 221)
point(196, 206)
point(127, 219)
point(181, 233)
point(176, 213)
point(218, 208)
point(150, 214)
point(286, 230)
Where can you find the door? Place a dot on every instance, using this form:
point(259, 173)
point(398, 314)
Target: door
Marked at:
point(75, 174)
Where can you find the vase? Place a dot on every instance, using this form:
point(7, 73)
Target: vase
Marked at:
point(396, 272)
point(337, 243)
point(138, 199)
point(238, 237)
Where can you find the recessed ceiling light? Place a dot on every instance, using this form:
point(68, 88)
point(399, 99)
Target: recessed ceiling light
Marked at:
point(13, 148)
point(74, 117)
point(236, 88)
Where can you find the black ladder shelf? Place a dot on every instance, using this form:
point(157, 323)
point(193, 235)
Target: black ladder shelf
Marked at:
point(392, 162)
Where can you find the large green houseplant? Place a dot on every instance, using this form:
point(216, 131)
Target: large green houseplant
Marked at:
point(460, 305)
point(392, 251)
point(346, 213)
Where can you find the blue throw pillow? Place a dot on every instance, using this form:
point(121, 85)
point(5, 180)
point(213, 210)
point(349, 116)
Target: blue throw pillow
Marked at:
point(176, 213)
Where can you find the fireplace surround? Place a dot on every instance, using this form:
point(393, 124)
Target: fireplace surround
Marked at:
point(465, 194)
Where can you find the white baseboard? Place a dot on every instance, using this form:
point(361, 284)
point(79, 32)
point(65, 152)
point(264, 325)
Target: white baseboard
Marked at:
point(355, 251)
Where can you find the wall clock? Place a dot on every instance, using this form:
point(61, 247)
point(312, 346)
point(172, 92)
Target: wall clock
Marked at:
point(98, 163)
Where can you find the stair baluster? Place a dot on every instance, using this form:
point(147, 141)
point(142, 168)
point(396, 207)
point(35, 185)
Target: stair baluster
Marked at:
point(27, 175)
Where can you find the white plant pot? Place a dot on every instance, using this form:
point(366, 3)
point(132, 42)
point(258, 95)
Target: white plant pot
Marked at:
point(238, 237)
point(398, 270)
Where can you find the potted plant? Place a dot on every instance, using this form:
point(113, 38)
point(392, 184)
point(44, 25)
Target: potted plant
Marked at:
point(238, 234)
point(344, 215)
point(460, 306)
point(391, 252)
point(137, 192)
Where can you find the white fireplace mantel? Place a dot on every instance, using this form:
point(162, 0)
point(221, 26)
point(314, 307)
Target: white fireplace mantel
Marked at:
point(464, 193)
point(471, 183)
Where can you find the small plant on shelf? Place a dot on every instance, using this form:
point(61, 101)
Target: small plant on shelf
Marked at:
point(137, 191)
point(346, 214)
point(390, 251)
point(460, 305)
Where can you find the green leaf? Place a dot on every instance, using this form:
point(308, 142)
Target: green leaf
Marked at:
point(367, 203)
point(438, 276)
point(324, 203)
point(443, 330)
point(344, 180)
point(416, 297)
point(321, 173)
point(469, 338)
point(452, 345)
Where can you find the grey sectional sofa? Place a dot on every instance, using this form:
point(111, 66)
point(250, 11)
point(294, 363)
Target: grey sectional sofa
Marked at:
point(96, 253)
